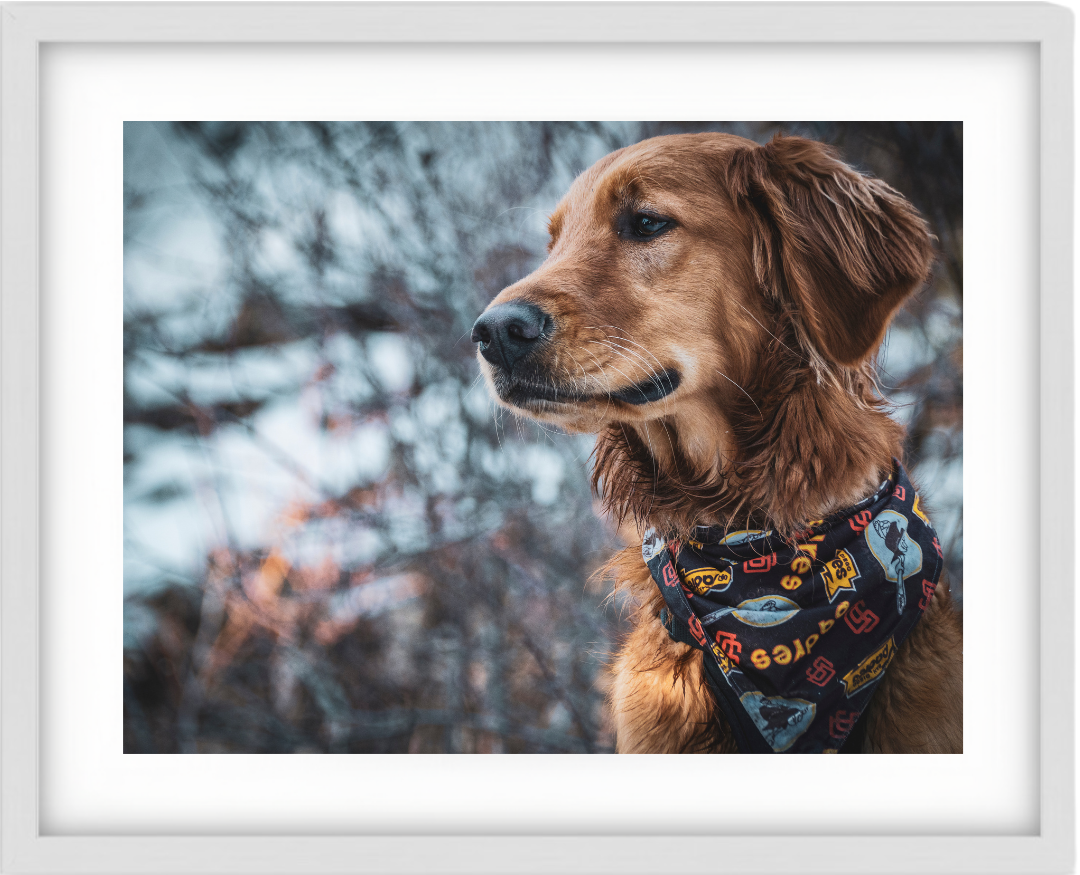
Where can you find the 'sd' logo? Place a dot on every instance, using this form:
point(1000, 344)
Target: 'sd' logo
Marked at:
point(870, 669)
point(860, 521)
point(821, 672)
point(759, 564)
point(730, 645)
point(928, 593)
point(839, 573)
point(695, 629)
point(706, 580)
point(842, 722)
point(670, 577)
point(860, 618)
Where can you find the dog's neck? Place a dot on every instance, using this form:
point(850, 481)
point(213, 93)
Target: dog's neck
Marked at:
point(796, 449)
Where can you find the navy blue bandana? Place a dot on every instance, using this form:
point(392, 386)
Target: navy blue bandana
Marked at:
point(796, 633)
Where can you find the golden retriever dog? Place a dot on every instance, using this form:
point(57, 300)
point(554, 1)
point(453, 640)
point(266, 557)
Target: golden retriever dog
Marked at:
point(711, 309)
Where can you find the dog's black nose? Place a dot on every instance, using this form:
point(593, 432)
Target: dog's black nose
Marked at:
point(509, 332)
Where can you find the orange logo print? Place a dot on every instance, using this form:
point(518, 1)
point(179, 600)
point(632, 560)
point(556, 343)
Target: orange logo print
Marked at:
point(761, 563)
point(695, 629)
point(670, 577)
point(821, 672)
point(860, 618)
point(730, 645)
point(842, 722)
point(860, 521)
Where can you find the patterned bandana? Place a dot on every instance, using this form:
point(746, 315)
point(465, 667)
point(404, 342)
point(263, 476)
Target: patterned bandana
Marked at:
point(797, 633)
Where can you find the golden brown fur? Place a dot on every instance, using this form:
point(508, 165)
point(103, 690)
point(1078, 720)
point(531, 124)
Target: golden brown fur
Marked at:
point(749, 322)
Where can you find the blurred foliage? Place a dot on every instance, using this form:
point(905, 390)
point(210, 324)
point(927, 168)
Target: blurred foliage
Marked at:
point(333, 541)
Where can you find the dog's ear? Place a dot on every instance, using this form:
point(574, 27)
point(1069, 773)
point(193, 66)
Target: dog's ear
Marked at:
point(844, 248)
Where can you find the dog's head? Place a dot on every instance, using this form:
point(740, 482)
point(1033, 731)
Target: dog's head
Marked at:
point(670, 265)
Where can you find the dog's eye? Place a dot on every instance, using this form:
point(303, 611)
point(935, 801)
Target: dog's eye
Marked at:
point(644, 225)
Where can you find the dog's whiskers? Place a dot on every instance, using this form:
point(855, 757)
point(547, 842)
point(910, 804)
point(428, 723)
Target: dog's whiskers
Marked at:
point(654, 378)
point(623, 334)
point(623, 373)
point(495, 415)
point(603, 373)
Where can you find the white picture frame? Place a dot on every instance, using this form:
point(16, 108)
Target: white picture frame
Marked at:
point(25, 28)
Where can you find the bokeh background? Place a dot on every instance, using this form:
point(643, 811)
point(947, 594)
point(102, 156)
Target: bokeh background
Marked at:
point(333, 541)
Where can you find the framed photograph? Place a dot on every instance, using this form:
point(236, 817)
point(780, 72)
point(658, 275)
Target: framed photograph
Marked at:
point(246, 446)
